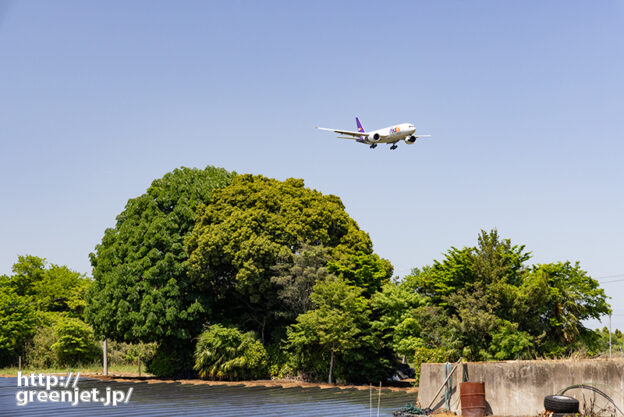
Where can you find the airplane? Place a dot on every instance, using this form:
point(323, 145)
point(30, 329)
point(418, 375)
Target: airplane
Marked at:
point(389, 135)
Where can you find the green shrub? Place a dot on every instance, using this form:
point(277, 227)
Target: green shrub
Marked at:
point(282, 364)
point(18, 321)
point(224, 353)
point(39, 353)
point(162, 364)
point(434, 355)
point(75, 342)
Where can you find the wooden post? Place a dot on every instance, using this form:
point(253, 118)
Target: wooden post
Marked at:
point(20, 363)
point(379, 399)
point(370, 396)
point(105, 353)
point(139, 366)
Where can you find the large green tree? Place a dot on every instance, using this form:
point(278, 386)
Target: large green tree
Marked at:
point(49, 287)
point(335, 325)
point(556, 298)
point(142, 290)
point(35, 297)
point(250, 227)
point(397, 317)
point(500, 307)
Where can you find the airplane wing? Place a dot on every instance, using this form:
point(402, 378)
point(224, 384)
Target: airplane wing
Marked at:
point(354, 135)
point(422, 136)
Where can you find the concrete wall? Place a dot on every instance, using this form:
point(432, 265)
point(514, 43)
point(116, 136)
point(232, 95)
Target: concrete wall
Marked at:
point(518, 388)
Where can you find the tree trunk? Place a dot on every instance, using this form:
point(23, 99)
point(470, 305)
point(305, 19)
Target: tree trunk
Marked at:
point(262, 331)
point(331, 366)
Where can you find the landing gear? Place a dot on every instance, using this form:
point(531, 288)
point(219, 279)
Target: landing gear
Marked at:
point(393, 147)
point(373, 146)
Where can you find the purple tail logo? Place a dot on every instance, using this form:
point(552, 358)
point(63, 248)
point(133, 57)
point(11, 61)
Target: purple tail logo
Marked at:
point(359, 125)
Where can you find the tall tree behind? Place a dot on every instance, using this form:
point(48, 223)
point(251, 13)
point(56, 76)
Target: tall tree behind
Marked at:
point(142, 292)
point(500, 307)
point(295, 276)
point(254, 224)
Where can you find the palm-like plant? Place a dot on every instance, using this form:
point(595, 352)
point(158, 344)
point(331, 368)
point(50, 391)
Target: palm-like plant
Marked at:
point(225, 353)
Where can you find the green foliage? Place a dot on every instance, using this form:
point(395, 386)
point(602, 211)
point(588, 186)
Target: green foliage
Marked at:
point(335, 324)
point(18, 321)
point(508, 342)
point(34, 296)
point(142, 292)
point(164, 364)
point(295, 276)
point(424, 354)
point(75, 342)
point(27, 272)
point(559, 296)
point(492, 262)
point(364, 270)
point(139, 352)
point(38, 352)
point(599, 343)
point(253, 225)
point(474, 319)
point(49, 287)
point(63, 290)
point(398, 320)
point(224, 353)
point(498, 307)
point(281, 363)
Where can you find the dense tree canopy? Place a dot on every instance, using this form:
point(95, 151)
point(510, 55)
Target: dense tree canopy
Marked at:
point(142, 291)
point(498, 307)
point(282, 281)
point(37, 295)
point(49, 287)
point(295, 276)
point(253, 225)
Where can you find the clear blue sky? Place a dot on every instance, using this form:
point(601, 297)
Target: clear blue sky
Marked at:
point(525, 101)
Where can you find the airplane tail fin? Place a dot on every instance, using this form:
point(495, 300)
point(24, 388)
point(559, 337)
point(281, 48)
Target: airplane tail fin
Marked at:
point(359, 125)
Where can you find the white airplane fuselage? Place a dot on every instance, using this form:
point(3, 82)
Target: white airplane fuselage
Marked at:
point(391, 134)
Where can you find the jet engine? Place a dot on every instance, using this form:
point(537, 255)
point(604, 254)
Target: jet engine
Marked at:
point(410, 140)
point(374, 137)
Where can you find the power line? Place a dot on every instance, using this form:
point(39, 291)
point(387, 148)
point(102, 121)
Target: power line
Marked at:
point(610, 276)
point(611, 281)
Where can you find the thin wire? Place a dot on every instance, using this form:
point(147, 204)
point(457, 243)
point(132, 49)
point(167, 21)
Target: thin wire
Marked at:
point(610, 276)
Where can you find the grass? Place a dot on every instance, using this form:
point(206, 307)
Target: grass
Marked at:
point(83, 369)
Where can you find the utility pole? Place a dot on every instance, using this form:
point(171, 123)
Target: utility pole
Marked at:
point(609, 336)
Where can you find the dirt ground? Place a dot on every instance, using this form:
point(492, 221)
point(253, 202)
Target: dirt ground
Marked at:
point(284, 383)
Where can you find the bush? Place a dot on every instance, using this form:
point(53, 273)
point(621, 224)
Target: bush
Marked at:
point(75, 342)
point(162, 365)
point(435, 355)
point(39, 353)
point(171, 358)
point(225, 353)
point(18, 321)
point(282, 364)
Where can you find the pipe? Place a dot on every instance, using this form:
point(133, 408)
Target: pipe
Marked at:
point(444, 383)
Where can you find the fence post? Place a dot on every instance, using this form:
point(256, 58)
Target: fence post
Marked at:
point(105, 353)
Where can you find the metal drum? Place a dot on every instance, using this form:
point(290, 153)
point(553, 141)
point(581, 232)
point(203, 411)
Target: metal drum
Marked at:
point(472, 396)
